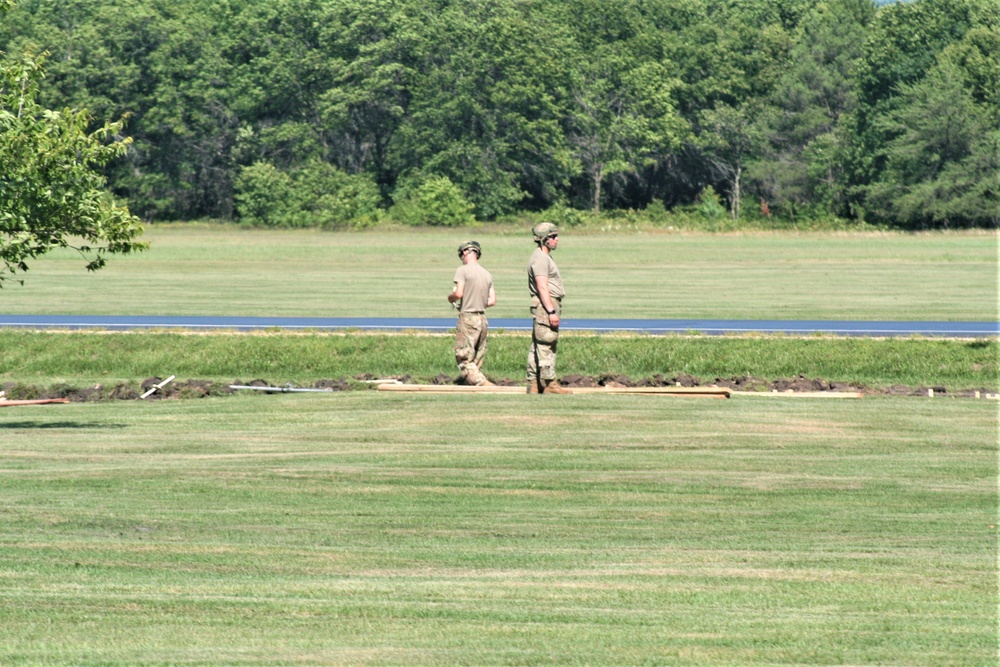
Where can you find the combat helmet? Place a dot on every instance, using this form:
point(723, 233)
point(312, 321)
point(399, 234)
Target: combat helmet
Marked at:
point(470, 244)
point(544, 230)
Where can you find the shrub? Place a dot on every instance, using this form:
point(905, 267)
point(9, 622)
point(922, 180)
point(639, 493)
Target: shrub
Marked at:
point(265, 196)
point(656, 212)
point(710, 204)
point(435, 201)
point(334, 198)
point(316, 194)
point(564, 216)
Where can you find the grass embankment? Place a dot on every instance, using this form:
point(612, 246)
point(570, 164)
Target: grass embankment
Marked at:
point(45, 358)
point(365, 528)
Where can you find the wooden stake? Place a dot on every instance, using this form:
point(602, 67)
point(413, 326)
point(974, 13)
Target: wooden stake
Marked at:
point(155, 387)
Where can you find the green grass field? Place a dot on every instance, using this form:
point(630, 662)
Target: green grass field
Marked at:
point(371, 529)
point(214, 270)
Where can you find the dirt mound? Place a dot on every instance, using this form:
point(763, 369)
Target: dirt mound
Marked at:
point(201, 388)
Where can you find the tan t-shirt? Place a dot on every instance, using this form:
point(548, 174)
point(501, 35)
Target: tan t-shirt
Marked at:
point(542, 264)
point(476, 292)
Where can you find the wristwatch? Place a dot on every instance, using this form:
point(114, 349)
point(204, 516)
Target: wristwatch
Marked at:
point(551, 312)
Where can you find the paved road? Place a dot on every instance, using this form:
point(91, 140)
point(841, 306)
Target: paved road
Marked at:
point(708, 327)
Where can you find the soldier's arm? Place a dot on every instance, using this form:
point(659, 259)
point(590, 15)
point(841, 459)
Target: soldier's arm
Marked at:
point(542, 282)
point(457, 293)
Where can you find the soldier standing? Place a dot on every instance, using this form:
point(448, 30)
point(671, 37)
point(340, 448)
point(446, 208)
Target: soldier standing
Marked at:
point(546, 289)
point(472, 295)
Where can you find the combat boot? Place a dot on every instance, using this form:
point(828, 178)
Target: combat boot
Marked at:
point(533, 387)
point(553, 387)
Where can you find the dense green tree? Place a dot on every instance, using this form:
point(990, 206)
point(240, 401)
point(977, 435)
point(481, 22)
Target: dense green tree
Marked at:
point(486, 109)
point(901, 46)
point(376, 51)
point(279, 69)
point(943, 167)
point(799, 170)
point(622, 109)
point(623, 119)
point(977, 55)
point(524, 104)
point(729, 140)
point(904, 116)
point(156, 60)
point(728, 56)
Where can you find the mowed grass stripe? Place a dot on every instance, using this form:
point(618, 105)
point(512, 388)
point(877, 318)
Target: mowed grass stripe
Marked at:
point(599, 530)
point(215, 270)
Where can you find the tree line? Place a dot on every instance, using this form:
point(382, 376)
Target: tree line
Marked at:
point(343, 112)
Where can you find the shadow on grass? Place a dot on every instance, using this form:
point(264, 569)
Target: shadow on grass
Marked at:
point(56, 425)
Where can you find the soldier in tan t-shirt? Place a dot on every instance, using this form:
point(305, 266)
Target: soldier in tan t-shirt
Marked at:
point(546, 289)
point(472, 295)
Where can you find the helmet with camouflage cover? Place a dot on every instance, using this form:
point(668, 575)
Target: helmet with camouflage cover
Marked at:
point(544, 230)
point(474, 245)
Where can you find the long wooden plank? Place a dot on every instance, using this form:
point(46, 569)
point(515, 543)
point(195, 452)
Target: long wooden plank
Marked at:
point(799, 394)
point(708, 392)
point(714, 392)
point(38, 401)
point(450, 389)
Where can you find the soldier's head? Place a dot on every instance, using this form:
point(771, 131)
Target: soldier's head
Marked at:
point(544, 231)
point(470, 245)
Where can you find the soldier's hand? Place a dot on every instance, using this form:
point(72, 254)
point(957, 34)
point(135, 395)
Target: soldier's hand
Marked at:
point(554, 321)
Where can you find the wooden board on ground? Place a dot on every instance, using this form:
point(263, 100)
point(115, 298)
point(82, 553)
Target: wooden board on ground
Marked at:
point(449, 388)
point(800, 394)
point(4, 403)
point(704, 392)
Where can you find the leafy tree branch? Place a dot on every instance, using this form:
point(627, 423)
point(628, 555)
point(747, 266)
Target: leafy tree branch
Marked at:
point(52, 192)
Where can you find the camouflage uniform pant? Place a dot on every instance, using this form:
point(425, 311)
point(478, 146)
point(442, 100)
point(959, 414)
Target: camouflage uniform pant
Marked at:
point(470, 346)
point(544, 341)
